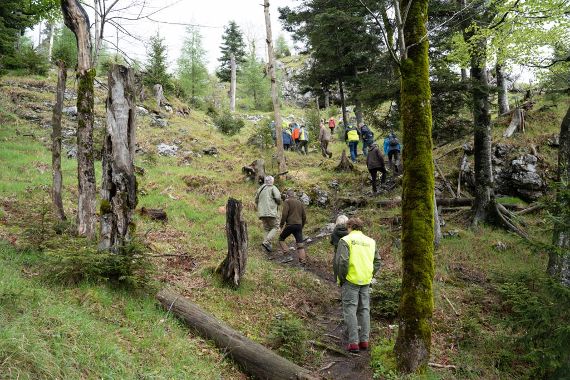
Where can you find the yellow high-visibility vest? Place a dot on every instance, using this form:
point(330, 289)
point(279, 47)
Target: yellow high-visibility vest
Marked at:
point(362, 250)
point(352, 135)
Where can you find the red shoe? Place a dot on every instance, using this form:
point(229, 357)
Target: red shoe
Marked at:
point(363, 346)
point(353, 347)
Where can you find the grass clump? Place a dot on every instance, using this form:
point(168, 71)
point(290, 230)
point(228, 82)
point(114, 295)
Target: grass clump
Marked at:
point(289, 336)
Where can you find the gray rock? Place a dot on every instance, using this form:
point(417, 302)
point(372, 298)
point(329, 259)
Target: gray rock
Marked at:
point(159, 121)
point(305, 199)
point(167, 150)
point(141, 111)
point(71, 152)
point(325, 231)
point(334, 184)
point(554, 141)
point(321, 197)
point(168, 108)
point(70, 111)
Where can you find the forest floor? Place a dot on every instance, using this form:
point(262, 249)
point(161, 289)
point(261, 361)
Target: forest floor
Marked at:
point(478, 272)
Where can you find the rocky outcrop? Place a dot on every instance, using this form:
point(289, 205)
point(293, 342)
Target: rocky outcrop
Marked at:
point(290, 71)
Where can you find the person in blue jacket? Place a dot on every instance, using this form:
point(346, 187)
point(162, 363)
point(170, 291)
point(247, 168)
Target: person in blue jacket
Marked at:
point(392, 149)
point(287, 139)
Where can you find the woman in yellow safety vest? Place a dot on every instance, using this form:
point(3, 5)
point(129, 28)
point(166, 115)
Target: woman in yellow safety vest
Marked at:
point(352, 136)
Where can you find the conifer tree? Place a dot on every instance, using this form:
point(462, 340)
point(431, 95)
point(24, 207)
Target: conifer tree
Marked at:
point(157, 64)
point(252, 80)
point(232, 42)
point(192, 71)
point(281, 47)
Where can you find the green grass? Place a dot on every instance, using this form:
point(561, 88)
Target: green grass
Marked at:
point(89, 332)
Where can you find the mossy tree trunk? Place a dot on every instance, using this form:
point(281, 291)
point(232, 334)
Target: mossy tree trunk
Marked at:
point(559, 262)
point(502, 94)
point(416, 305)
point(57, 183)
point(485, 208)
point(274, 92)
point(119, 185)
point(77, 21)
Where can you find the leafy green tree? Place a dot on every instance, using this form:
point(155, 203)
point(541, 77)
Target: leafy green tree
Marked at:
point(281, 47)
point(15, 17)
point(253, 81)
point(65, 47)
point(192, 71)
point(157, 64)
point(232, 43)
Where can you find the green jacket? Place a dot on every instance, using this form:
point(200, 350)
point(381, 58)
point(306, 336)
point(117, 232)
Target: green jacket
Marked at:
point(357, 264)
point(267, 198)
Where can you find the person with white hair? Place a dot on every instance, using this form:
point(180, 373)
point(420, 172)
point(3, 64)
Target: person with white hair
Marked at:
point(267, 200)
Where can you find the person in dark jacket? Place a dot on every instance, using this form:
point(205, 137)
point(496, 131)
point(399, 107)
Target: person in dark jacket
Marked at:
point(375, 164)
point(338, 233)
point(293, 219)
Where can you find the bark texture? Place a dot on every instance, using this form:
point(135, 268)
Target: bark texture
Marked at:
point(119, 185)
point(77, 21)
point(559, 262)
point(416, 305)
point(484, 206)
point(233, 81)
point(343, 107)
point(274, 93)
point(57, 177)
point(255, 360)
point(232, 268)
point(502, 94)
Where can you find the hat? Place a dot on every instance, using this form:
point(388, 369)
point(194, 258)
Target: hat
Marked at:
point(269, 180)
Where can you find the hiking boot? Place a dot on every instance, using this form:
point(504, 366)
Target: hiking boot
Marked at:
point(267, 246)
point(353, 347)
point(363, 346)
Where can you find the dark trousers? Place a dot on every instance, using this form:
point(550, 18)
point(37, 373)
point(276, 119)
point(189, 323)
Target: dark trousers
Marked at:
point(395, 156)
point(303, 146)
point(374, 174)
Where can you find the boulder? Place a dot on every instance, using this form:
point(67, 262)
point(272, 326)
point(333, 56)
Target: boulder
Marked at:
point(141, 111)
point(321, 197)
point(158, 121)
point(304, 198)
point(167, 150)
point(70, 111)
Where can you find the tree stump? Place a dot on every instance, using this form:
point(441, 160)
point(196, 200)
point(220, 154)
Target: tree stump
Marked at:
point(119, 187)
point(232, 268)
point(345, 165)
point(159, 95)
point(255, 171)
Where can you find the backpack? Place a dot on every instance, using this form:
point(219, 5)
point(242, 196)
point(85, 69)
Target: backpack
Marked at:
point(331, 123)
point(296, 133)
point(367, 134)
point(393, 142)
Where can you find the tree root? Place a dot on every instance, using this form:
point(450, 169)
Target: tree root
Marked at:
point(508, 220)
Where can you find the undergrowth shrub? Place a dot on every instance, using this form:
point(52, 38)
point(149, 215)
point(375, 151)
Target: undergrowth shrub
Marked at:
point(289, 336)
point(79, 260)
point(383, 360)
point(536, 310)
point(386, 295)
point(262, 135)
point(228, 124)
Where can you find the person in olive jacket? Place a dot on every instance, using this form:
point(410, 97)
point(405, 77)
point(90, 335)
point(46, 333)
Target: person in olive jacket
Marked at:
point(293, 219)
point(267, 199)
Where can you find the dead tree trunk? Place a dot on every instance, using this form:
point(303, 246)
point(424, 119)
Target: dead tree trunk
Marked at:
point(232, 268)
point(343, 107)
point(516, 123)
point(559, 262)
point(344, 165)
point(274, 93)
point(119, 185)
point(56, 142)
point(77, 21)
point(358, 112)
point(233, 84)
point(158, 95)
point(436, 223)
point(255, 171)
point(256, 360)
point(502, 94)
point(327, 98)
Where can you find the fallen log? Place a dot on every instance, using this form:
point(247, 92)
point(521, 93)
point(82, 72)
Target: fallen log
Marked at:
point(154, 214)
point(253, 358)
point(517, 123)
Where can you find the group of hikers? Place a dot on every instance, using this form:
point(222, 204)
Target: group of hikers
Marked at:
point(296, 138)
point(355, 259)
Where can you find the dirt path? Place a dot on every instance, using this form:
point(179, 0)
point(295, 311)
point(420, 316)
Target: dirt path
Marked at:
point(337, 363)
